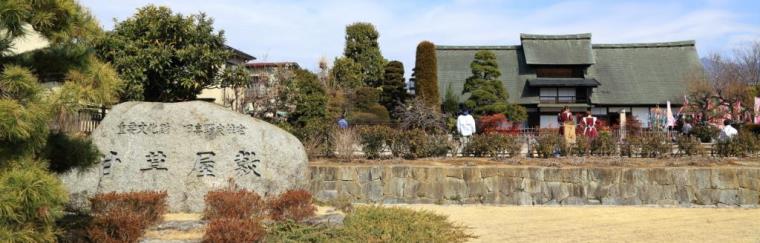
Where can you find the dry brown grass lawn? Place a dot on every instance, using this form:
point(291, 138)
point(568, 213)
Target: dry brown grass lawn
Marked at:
point(603, 224)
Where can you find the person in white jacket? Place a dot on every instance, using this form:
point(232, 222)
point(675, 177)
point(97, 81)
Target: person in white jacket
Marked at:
point(465, 127)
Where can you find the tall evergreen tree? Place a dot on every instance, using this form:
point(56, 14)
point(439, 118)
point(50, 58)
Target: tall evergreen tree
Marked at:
point(362, 47)
point(394, 92)
point(426, 74)
point(487, 94)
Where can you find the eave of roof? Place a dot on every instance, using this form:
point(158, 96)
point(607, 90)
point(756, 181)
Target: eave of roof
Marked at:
point(242, 54)
point(563, 105)
point(563, 82)
point(685, 43)
point(271, 64)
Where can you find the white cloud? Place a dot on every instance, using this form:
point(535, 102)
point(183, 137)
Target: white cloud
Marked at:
point(303, 31)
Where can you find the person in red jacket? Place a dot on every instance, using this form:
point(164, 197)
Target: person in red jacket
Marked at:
point(589, 124)
point(563, 117)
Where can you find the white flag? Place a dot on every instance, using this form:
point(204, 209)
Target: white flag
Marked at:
point(671, 119)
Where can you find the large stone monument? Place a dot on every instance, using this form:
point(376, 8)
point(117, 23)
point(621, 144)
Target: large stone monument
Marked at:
point(187, 149)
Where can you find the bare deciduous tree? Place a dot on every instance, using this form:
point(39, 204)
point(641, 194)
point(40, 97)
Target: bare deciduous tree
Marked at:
point(728, 85)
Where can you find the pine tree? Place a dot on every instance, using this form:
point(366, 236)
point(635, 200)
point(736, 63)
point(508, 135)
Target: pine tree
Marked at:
point(32, 197)
point(362, 47)
point(394, 92)
point(426, 74)
point(487, 94)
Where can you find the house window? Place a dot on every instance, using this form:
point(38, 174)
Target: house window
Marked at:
point(557, 95)
point(559, 71)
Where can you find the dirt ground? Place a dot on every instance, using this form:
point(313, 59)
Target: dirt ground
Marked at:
point(558, 162)
point(603, 224)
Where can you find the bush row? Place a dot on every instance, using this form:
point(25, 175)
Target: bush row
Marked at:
point(377, 142)
point(493, 145)
point(647, 145)
point(235, 215)
point(408, 144)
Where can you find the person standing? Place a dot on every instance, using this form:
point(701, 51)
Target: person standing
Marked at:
point(342, 123)
point(727, 132)
point(565, 116)
point(589, 125)
point(465, 127)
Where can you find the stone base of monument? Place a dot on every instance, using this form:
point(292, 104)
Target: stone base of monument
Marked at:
point(188, 149)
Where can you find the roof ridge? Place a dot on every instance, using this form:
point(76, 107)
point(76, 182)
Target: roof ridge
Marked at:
point(454, 47)
point(646, 45)
point(524, 36)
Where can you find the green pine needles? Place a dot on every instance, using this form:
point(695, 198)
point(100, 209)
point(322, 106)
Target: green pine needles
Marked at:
point(487, 93)
point(31, 199)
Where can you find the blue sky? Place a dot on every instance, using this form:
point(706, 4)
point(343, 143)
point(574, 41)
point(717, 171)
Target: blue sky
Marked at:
point(305, 31)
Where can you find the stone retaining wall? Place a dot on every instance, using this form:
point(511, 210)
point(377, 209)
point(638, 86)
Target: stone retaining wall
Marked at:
point(522, 185)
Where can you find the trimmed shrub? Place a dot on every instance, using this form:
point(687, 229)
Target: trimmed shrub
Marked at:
point(230, 203)
point(547, 144)
point(293, 205)
point(582, 146)
point(480, 145)
point(31, 199)
point(414, 143)
point(747, 143)
point(368, 118)
point(654, 145)
point(373, 139)
point(316, 137)
point(117, 225)
point(383, 224)
point(689, 145)
point(493, 145)
point(66, 152)
point(604, 144)
point(233, 230)
point(425, 72)
point(705, 132)
point(507, 145)
point(420, 144)
point(437, 146)
point(123, 217)
point(726, 148)
point(152, 205)
point(744, 144)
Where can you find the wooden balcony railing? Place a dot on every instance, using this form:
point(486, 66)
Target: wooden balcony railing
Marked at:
point(561, 99)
